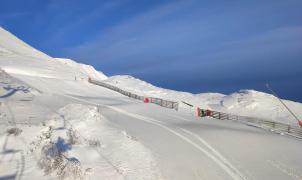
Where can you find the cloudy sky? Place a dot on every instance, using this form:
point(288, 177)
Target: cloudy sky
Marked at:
point(189, 45)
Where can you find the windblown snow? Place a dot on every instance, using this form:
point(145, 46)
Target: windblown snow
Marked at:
point(56, 125)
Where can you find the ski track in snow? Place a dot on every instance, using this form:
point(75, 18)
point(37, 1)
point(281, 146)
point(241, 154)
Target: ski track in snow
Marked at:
point(283, 168)
point(216, 153)
point(11, 157)
point(212, 154)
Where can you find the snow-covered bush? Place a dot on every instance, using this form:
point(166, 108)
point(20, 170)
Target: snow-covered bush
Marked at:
point(94, 142)
point(14, 131)
point(54, 160)
point(73, 137)
point(71, 169)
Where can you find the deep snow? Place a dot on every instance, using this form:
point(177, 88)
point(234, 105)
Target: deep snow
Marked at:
point(54, 124)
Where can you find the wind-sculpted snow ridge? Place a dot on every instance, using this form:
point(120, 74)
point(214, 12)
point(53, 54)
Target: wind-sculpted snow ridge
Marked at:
point(13, 46)
point(82, 71)
point(18, 58)
point(244, 102)
point(50, 68)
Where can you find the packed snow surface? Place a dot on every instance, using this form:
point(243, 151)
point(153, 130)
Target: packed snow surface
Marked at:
point(56, 125)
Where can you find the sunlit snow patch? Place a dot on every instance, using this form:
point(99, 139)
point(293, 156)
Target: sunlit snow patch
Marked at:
point(80, 143)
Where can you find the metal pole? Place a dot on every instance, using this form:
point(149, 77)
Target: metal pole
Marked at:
point(269, 88)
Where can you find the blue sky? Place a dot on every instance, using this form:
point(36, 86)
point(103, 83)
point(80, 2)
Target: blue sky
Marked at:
point(190, 45)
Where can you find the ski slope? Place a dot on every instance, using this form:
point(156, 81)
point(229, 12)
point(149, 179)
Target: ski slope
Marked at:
point(54, 124)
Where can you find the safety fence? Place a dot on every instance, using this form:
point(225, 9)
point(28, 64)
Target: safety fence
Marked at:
point(277, 127)
point(158, 101)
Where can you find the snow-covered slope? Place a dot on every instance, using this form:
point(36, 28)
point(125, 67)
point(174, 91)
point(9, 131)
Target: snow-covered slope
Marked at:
point(18, 57)
point(12, 46)
point(81, 71)
point(244, 102)
point(56, 125)
point(138, 86)
point(258, 104)
point(45, 134)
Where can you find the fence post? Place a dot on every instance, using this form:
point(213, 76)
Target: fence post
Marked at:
point(300, 123)
point(198, 112)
